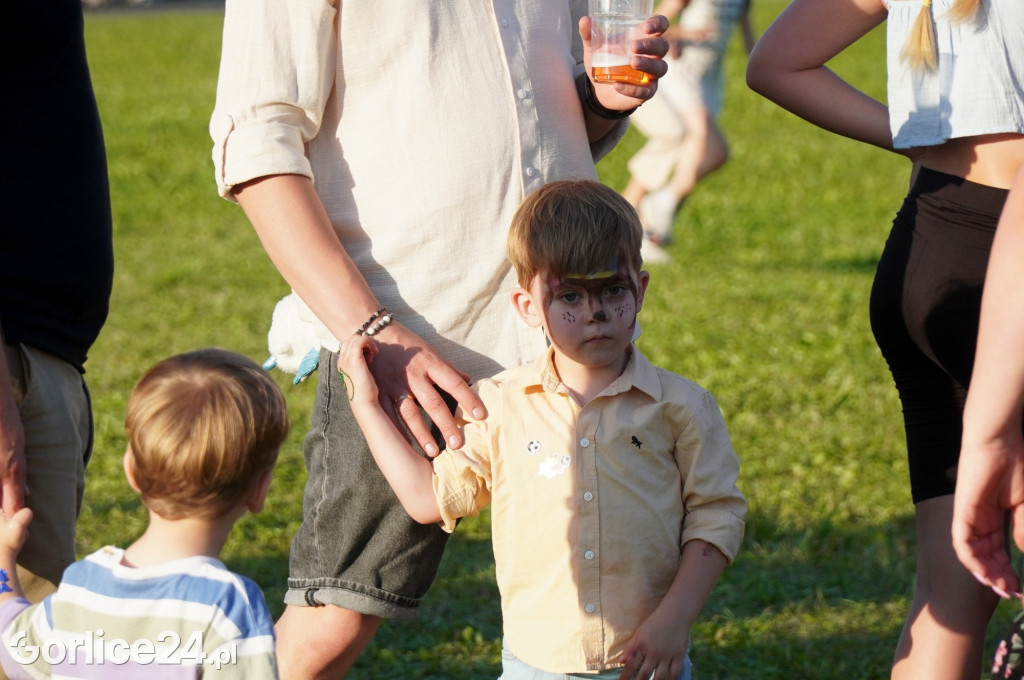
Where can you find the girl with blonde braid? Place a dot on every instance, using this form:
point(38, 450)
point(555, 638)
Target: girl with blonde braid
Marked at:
point(956, 110)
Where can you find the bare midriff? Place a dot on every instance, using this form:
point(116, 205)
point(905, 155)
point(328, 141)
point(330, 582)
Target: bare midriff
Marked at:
point(992, 160)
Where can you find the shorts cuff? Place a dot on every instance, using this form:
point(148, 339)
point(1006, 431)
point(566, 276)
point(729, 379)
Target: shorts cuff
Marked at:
point(352, 596)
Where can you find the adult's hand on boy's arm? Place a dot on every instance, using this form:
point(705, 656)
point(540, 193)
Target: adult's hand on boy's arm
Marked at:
point(406, 366)
point(297, 234)
point(658, 647)
point(409, 474)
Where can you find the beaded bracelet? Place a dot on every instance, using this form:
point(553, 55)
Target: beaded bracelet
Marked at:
point(373, 325)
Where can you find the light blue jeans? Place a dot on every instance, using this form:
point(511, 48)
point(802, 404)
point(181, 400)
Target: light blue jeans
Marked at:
point(514, 669)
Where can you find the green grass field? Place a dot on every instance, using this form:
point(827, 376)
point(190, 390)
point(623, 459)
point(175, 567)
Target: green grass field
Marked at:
point(765, 305)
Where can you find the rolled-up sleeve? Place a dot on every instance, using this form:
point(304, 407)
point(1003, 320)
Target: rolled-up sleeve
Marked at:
point(463, 477)
point(461, 485)
point(276, 74)
point(713, 505)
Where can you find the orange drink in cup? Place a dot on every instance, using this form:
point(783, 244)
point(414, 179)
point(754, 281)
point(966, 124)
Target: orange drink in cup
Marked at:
point(615, 24)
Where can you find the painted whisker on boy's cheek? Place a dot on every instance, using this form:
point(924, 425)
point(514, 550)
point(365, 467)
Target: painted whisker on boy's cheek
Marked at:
point(569, 317)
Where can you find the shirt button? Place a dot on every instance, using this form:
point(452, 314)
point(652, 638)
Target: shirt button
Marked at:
point(589, 554)
point(523, 94)
point(590, 609)
point(504, 22)
point(587, 496)
point(584, 442)
point(530, 172)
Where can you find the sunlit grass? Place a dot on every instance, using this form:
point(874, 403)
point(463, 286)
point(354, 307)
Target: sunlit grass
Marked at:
point(765, 305)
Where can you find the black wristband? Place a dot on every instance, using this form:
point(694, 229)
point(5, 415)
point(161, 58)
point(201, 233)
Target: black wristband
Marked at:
point(585, 89)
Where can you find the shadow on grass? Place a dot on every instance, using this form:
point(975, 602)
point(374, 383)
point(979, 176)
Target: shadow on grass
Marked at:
point(457, 635)
point(787, 561)
point(851, 265)
point(817, 599)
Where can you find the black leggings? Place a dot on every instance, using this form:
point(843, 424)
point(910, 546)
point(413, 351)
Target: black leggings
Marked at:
point(925, 304)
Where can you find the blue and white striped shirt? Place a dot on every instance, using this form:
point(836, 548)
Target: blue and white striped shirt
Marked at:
point(181, 619)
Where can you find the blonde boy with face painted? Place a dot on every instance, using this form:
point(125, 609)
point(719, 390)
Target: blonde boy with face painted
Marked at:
point(612, 483)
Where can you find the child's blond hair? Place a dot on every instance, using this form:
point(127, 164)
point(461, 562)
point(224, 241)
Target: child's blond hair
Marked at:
point(573, 227)
point(203, 428)
point(920, 50)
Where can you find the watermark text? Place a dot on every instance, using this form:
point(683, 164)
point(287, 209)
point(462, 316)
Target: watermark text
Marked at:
point(93, 650)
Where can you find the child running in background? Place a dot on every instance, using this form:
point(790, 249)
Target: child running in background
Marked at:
point(204, 429)
point(684, 142)
point(612, 482)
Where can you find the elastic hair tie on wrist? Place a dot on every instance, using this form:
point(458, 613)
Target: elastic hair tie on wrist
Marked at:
point(350, 391)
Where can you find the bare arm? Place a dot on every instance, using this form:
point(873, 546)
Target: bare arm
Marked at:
point(659, 645)
point(671, 8)
point(409, 474)
point(13, 486)
point(787, 65)
point(293, 226)
point(990, 477)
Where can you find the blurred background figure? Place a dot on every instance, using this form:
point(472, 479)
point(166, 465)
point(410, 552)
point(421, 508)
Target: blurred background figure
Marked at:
point(684, 142)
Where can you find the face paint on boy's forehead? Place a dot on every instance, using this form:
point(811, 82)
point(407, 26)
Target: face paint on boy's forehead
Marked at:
point(620, 273)
point(607, 271)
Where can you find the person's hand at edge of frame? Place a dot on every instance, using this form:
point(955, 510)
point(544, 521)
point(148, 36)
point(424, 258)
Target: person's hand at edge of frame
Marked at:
point(990, 492)
point(13, 474)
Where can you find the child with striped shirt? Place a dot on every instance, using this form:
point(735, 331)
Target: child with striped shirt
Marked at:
point(204, 429)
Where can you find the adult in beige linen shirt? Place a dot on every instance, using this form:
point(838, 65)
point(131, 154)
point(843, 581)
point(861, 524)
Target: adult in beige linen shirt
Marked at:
point(380, 150)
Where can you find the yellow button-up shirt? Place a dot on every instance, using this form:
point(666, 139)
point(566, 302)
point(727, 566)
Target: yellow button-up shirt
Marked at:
point(591, 506)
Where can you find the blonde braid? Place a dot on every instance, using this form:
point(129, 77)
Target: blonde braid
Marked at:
point(962, 10)
point(920, 50)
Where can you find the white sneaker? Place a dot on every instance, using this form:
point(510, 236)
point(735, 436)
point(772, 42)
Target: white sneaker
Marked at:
point(657, 212)
point(652, 253)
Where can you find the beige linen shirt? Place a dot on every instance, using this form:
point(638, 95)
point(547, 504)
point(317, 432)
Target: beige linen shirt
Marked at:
point(423, 123)
point(591, 506)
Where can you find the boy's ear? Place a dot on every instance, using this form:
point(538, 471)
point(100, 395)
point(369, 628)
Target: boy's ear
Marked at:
point(526, 307)
point(128, 462)
point(642, 279)
point(258, 496)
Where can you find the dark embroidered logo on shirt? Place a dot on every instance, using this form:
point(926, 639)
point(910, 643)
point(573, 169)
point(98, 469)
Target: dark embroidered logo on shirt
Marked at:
point(636, 442)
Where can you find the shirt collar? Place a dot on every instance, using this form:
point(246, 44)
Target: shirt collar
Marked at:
point(639, 373)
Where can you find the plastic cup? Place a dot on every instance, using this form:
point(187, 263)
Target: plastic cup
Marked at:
point(615, 24)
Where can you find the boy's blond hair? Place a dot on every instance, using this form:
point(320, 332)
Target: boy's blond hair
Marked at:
point(573, 227)
point(203, 428)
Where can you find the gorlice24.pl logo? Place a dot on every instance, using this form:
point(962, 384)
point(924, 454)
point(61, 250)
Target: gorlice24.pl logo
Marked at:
point(93, 649)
